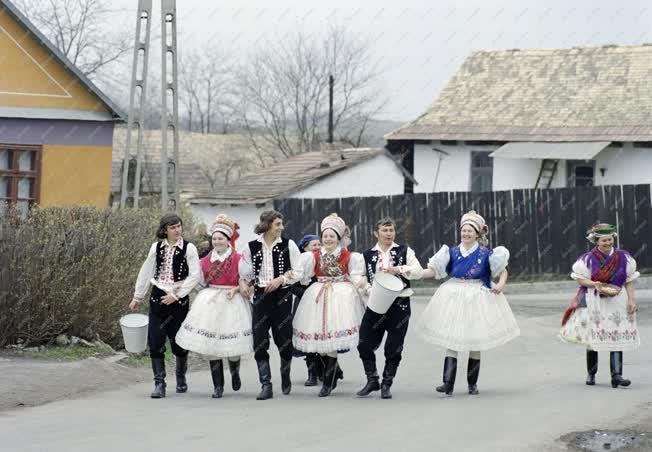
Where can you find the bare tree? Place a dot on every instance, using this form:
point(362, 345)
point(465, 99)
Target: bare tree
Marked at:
point(83, 30)
point(206, 90)
point(283, 91)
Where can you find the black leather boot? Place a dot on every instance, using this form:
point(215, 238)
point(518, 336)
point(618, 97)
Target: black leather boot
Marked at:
point(372, 379)
point(234, 368)
point(450, 372)
point(217, 373)
point(158, 368)
point(339, 375)
point(388, 378)
point(472, 374)
point(182, 367)
point(617, 370)
point(591, 366)
point(330, 369)
point(265, 375)
point(311, 364)
point(286, 381)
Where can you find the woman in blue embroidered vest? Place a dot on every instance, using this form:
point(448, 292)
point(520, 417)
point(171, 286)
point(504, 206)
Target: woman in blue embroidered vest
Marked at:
point(468, 312)
point(602, 316)
point(329, 315)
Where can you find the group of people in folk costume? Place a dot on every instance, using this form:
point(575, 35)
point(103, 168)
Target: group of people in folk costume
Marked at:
point(314, 297)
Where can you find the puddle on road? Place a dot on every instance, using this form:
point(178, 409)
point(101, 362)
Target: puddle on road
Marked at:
point(601, 440)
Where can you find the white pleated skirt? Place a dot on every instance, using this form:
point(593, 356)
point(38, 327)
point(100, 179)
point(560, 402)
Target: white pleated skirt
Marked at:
point(216, 326)
point(464, 315)
point(328, 318)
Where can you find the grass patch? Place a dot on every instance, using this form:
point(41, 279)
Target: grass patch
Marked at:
point(143, 360)
point(70, 353)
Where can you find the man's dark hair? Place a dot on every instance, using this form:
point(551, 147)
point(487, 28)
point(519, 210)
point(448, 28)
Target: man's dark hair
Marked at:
point(266, 219)
point(169, 219)
point(385, 221)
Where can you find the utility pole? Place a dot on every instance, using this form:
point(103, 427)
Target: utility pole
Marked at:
point(331, 83)
point(169, 94)
point(131, 188)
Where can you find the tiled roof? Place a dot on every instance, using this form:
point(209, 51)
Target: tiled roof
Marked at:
point(578, 94)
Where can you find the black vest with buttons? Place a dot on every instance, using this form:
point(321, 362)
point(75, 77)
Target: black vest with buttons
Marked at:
point(179, 263)
point(399, 257)
point(280, 257)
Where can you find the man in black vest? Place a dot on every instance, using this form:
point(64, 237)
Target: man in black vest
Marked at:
point(172, 269)
point(386, 256)
point(268, 261)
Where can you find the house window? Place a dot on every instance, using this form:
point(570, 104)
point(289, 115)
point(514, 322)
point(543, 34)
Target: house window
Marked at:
point(482, 169)
point(19, 176)
point(581, 173)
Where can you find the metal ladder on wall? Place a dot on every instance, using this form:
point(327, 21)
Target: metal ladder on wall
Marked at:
point(132, 162)
point(547, 173)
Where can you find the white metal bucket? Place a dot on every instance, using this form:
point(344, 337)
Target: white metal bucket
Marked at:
point(384, 291)
point(134, 332)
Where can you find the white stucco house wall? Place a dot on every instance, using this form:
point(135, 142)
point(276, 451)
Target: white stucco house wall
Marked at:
point(324, 175)
point(518, 119)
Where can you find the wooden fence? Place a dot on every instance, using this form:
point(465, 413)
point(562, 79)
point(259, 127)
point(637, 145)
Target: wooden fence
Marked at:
point(543, 229)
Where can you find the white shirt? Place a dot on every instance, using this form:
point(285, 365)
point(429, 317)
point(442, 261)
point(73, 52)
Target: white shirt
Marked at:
point(411, 270)
point(267, 267)
point(165, 278)
point(464, 252)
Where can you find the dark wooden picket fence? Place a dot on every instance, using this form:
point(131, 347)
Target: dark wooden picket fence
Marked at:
point(544, 229)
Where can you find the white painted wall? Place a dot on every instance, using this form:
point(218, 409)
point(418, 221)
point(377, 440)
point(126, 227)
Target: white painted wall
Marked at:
point(246, 216)
point(624, 166)
point(376, 177)
point(455, 168)
point(522, 173)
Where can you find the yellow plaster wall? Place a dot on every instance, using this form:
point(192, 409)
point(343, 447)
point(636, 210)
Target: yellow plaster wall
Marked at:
point(75, 175)
point(32, 77)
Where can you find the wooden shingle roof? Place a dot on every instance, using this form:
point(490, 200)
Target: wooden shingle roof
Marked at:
point(578, 94)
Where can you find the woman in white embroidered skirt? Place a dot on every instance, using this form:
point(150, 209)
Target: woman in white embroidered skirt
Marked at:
point(468, 312)
point(218, 325)
point(602, 316)
point(329, 314)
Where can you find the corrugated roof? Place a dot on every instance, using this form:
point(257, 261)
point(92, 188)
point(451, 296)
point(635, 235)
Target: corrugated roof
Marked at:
point(45, 42)
point(578, 94)
point(284, 177)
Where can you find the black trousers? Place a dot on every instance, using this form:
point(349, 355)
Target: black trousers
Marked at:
point(373, 327)
point(164, 322)
point(273, 310)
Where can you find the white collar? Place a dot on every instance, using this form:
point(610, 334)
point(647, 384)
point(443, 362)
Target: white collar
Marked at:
point(466, 252)
point(336, 252)
point(179, 243)
point(261, 239)
point(215, 256)
point(378, 248)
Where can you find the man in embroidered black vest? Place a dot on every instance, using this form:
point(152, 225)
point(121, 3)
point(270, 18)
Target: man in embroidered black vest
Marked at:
point(172, 269)
point(268, 261)
point(386, 256)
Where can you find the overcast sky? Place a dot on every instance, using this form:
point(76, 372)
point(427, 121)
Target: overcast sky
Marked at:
point(421, 42)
